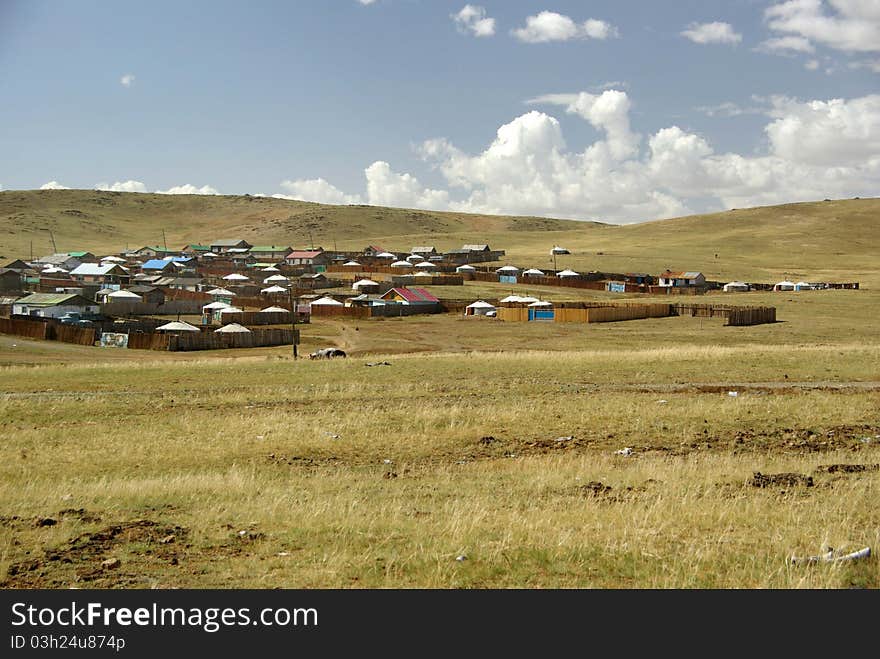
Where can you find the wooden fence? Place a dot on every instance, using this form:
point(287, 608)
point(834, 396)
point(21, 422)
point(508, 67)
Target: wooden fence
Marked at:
point(256, 338)
point(48, 330)
point(168, 308)
point(249, 318)
point(330, 311)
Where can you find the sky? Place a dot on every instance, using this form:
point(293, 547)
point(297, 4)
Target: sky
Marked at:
point(617, 111)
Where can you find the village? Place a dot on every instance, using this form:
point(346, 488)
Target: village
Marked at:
point(229, 293)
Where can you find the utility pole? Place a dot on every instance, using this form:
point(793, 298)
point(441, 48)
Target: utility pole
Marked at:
point(52, 236)
point(293, 311)
point(164, 243)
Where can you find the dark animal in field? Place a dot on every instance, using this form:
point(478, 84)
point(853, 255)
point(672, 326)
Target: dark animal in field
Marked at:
point(327, 353)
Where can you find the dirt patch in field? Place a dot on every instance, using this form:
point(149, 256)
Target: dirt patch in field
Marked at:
point(847, 468)
point(790, 479)
point(116, 556)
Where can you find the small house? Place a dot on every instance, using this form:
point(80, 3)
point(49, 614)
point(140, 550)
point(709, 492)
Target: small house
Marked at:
point(224, 245)
point(424, 250)
point(53, 305)
point(307, 257)
point(270, 252)
point(413, 296)
point(154, 251)
point(149, 294)
point(681, 279)
point(104, 273)
point(158, 265)
point(313, 280)
point(10, 280)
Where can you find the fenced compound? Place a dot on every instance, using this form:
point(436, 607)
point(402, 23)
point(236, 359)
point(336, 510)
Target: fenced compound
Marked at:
point(168, 308)
point(249, 318)
point(256, 338)
point(586, 312)
point(48, 330)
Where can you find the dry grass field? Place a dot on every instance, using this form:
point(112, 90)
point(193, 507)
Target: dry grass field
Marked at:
point(453, 452)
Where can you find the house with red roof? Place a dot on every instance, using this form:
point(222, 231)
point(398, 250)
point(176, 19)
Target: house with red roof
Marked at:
point(407, 295)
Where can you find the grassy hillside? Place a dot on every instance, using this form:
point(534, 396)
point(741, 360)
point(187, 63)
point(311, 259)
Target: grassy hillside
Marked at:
point(828, 240)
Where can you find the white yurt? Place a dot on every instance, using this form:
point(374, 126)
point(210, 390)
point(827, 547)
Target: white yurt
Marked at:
point(270, 268)
point(113, 259)
point(233, 328)
point(271, 290)
point(365, 286)
point(230, 310)
point(784, 286)
point(415, 258)
point(274, 278)
point(804, 286)
point(274, 310)
point(507, 270)
point(222, 292)
point(385, 255)
point(511, 299)
point(541, 303)
point(479, 308)
point(236, 277)
point(326, 301)
point(426, 264)
point(401, 264)
point(533, 272)
point(466, 268)
point(214, 306)
point(568, 273)
point(177, 326)
point(351, 263)
point(735, 287)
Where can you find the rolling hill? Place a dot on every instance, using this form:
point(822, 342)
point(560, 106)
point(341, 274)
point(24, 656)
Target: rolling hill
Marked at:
point(834, 240)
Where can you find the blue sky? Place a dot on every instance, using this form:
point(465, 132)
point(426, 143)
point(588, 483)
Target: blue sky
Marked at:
point(617, 111)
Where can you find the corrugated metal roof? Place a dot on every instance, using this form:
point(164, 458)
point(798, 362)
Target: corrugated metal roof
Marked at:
point(94, 269)
point(412, 294)
point(155, 264)
point(50, 299)
point(228, 242)
point(303, 254)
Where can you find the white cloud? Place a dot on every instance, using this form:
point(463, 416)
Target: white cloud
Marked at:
point(716, 32)
point(366, 2)
point(871, 65)
point(53, 185)
point(473, 19)
point(829, 133)
point(317, 190)
point(815, 149)
point(780, 45)
point(730, 109)
point(122, 186)
point(186, 189)
point(388, 188)
point(847, 25)
point(811, 65)
point(550, 26)
point(127, 80)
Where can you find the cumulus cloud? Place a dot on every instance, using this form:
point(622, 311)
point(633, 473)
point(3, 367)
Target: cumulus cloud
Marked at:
point(815, 149)
point(730, 109)
point(846, 25)
point(53, 185)
point(472, 19)
point(122, 186)
point(186, 189)
point(127, 80)
point(550, 26)
point(386, 187)
point(783, 45)
point(317, 190)
point(716, 32)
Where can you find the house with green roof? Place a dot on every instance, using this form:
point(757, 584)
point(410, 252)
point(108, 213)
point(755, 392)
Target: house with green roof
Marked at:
point(53, 305)
point(270, 252)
